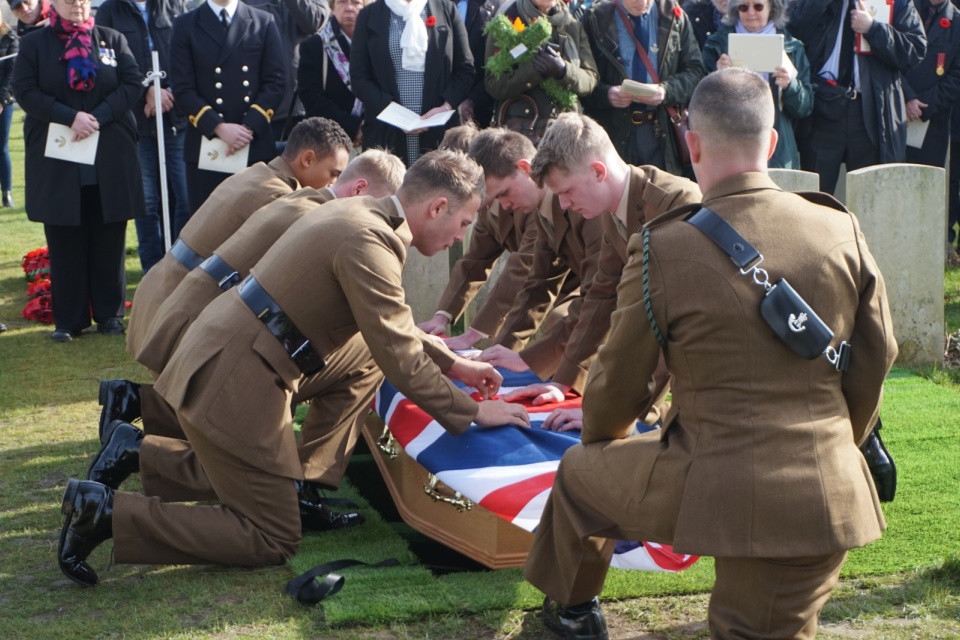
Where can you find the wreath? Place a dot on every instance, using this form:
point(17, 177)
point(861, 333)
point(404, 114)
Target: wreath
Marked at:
point(507, 37)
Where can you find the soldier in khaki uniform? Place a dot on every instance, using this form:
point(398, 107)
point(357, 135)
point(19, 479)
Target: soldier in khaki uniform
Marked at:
point(326, 300)
point(316, 153)
point(633, 196)
point(508, 224)
point(757, 463)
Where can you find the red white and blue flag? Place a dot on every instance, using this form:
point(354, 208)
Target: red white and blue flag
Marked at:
point(506, 470)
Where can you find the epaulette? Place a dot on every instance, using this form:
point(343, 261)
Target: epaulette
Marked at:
point(674, 214)
point(822, 199)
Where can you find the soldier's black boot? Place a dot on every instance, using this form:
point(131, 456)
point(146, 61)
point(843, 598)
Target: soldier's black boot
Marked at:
point(88, 507)
point(120, 400)
point(119, 456)
point(581, 622)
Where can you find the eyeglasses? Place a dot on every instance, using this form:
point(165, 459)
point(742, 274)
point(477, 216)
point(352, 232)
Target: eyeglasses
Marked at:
point(757, 6)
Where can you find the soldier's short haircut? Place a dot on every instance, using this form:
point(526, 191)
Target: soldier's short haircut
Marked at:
point(325, 137)
point(450, 174)
point(459, 138)
point(570, 141)
point(498, 150)
point(732, 104)
point(382, 170)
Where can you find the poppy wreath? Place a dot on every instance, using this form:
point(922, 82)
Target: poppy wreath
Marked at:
point(507, 36)
point(36, 267)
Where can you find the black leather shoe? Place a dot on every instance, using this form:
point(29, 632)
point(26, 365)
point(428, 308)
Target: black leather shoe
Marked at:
point(119, 457)
point(882, 467)
point(110, 327)
point(120, 400)
point(62, 335)
point(88, 507)
point(315, 516)
point(580, 622)
point(8, 199)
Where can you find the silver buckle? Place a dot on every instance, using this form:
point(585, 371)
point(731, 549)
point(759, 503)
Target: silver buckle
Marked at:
point(760, 276)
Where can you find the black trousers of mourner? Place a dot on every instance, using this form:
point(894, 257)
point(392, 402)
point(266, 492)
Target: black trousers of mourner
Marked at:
point(87, 266)
point(825, 144)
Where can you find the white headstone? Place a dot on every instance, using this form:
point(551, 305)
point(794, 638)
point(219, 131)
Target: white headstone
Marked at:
point(795, 180)
point(902, 215)
point(423, 282)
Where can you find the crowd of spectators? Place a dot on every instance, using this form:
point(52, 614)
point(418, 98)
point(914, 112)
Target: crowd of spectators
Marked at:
point(850, 83)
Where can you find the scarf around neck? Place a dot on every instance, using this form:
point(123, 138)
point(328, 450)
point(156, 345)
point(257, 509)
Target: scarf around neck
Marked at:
point(529, 12)
point(78, 43)
point(341, 63)
point(413, 40)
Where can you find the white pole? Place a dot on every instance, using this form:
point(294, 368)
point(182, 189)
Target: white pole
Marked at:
point(154, 77)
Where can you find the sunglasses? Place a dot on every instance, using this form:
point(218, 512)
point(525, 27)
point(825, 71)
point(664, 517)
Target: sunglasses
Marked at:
point(757, 6)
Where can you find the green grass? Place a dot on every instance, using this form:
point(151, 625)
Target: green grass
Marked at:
point(906, 586)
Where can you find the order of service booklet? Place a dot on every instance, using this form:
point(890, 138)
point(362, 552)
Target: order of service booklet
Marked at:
point(407, 121)
point(759, 52)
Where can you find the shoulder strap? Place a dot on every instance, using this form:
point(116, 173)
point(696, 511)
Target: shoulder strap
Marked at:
point(724, 236)
point(307, 590)
point(654, 76)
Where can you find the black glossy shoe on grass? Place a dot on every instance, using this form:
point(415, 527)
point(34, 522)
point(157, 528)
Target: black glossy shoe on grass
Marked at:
point(62, 335)
point(88, 510)
point(118, 457)
point(581, 622)
point(882, 467)
point(120, 400)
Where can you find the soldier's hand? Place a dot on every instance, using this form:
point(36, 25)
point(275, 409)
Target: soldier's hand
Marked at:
point(464, 341)
point(481, 375)
point(541, 392)
point(499, 356)
point(435, 325)
point(497, 413)
point(564, 420)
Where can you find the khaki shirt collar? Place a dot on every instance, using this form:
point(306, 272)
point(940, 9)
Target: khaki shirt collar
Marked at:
point(739, 183)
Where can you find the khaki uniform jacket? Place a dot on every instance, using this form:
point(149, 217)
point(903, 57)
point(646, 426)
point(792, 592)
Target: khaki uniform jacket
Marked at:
point(566, 242)
point(652, 192)
point(336, 272)
point(758, 455)
point(495, 231)
point(227, 208)
point(241, 251)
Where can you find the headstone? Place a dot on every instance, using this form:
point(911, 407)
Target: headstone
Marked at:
point(795, 180)
point(423, 282)
point(902, 214)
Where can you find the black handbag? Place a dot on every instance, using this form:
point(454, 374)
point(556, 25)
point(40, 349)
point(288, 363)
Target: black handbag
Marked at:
point(830, 100)
point(783, 309)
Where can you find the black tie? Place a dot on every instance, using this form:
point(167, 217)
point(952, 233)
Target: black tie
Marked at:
point(223, 19)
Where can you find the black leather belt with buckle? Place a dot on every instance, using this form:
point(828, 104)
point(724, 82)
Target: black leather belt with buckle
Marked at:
point(643, 117)
point(223, 274)
point(851, 94)
point(185, 255)
point(279, 324)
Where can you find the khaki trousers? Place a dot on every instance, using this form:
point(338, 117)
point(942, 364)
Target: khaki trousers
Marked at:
point(340, 398)
point(257, 522)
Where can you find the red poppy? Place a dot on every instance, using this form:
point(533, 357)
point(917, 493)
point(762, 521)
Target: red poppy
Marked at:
point(944, 23)
point(677, 12)
point(430, 21)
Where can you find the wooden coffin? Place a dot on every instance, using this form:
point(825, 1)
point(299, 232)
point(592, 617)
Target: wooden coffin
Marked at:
point(447, 518)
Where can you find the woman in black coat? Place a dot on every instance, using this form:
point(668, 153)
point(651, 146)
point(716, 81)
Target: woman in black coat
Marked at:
point(436, 79)
point(323, 76)
point(84, 77)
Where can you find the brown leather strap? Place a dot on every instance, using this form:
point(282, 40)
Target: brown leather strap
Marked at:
point(640, 50)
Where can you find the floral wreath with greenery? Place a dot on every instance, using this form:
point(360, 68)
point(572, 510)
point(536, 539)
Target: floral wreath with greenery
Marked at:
point(507, 37)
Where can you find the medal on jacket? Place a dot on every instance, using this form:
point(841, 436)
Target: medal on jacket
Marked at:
point(107, 56)
point(941, 62)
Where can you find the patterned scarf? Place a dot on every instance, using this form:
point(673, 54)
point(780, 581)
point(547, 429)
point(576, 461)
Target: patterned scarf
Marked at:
point(341, 63)
point(81, 68)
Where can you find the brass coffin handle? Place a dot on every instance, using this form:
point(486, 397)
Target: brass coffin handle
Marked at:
point(432, 489)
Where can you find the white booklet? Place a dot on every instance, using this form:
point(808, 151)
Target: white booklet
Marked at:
point(759, 52)
point(213, 156)
point(916, 133)
point(636, 89)
point(881, 11)
point(407, 121)
point(60, 145)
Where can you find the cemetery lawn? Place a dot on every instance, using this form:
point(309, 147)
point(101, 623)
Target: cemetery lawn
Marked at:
point(906, 586)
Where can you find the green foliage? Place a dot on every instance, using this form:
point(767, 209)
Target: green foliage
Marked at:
point(506, 38)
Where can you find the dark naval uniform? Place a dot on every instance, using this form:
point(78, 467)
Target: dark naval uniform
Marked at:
point(235, 74)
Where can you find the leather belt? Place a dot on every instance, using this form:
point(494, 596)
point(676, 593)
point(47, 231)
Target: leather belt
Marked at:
point(279, 324)
point(223, 274)
point(643, 117)
point(185, 255)
point(851, 94)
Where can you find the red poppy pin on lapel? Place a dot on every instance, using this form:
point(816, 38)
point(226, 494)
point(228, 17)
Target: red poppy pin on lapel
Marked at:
point(677, 12)
point(430, 21)
point(944, 23)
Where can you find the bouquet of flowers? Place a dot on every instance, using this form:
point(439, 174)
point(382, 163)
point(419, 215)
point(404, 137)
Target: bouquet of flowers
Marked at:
point(516, 44)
